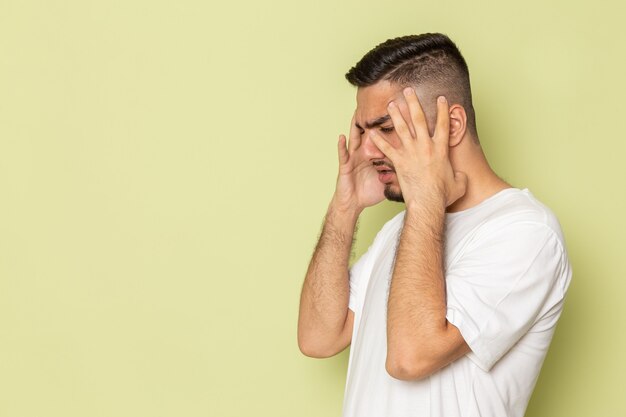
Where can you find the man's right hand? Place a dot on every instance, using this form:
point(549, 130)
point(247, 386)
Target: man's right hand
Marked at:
point(358, 186)
point(325, 321)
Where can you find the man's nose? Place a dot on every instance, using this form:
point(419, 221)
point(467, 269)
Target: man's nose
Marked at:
point(369, 148)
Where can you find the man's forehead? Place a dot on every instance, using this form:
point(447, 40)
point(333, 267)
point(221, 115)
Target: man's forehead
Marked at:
point(372, 103)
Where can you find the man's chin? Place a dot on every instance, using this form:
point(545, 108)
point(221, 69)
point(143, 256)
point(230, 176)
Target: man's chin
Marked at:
point(393, 195)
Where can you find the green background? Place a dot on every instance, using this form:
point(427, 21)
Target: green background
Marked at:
point(165, 168)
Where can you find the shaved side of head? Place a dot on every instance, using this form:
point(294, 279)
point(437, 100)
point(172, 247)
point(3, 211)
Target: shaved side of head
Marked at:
point(430, 62)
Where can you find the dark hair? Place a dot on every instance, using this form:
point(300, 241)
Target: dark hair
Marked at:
point(429, 60)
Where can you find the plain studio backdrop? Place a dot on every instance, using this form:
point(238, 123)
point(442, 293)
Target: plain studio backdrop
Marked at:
point(165, 168)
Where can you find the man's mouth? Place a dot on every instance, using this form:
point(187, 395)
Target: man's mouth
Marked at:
point(386, 177)
point(385, 172)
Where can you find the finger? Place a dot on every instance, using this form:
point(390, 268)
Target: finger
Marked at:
point(418, 119)
point(342, 151)
point(404, 111)
point(399, 124)
point(442, 129)
point(383, 145)
point(355, 135)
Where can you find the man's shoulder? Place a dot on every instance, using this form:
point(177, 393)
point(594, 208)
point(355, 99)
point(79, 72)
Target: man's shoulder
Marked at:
point(519, 210)
point(523, 207)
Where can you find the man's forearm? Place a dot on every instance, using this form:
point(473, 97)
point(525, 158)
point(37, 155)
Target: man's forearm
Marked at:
point(417, 298)
point(325, 292)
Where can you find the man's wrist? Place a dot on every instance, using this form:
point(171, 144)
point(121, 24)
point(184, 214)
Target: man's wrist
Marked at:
point(426, 199)
point(344, 210)
point(340, 223)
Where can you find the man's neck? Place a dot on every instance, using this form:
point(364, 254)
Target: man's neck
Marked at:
point(482, 183)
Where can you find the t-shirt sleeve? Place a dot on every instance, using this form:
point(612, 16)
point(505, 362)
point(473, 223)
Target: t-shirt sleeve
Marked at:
point(360, 272)
point(501, 284)
point(357, 277)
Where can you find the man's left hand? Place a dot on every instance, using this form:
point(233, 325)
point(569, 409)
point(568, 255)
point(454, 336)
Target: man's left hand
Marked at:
point(421, 162)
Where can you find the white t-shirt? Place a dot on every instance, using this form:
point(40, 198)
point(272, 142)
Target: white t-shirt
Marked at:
point(507, 273)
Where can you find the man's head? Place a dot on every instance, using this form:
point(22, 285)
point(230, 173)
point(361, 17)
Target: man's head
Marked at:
point(433, 65)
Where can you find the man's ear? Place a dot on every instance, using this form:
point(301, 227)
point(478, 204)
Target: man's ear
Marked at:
point(458, 124)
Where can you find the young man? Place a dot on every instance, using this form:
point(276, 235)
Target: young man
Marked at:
point(452, 309)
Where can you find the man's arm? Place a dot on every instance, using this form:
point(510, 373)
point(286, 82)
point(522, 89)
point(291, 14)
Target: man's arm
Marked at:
point(420, 340)
point(325, 322)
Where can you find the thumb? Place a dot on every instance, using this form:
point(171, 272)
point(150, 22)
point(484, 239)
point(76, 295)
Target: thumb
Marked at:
point(342, 151)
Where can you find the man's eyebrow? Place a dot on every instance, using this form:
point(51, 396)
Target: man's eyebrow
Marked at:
point(375, 123)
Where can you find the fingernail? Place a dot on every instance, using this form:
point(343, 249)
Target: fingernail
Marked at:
point(441, 99)
point(391, 104)
point(408, 91)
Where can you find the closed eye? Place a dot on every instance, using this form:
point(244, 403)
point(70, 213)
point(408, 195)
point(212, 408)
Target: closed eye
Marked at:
point(386, 129)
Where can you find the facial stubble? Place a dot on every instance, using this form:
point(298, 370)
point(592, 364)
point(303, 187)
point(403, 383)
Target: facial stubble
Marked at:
point(392, 195)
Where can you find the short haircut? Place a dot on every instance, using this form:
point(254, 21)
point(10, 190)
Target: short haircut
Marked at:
point(430, 61)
